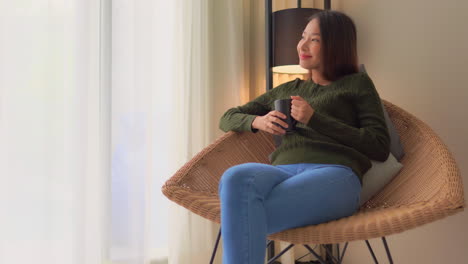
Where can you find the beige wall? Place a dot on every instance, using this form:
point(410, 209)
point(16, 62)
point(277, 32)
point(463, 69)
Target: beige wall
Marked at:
point(416, 53)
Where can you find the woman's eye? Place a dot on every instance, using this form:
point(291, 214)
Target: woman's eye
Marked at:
point(316, 40)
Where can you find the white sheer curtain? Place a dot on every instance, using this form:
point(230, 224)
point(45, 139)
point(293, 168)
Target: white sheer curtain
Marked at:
point(216, 77)
point(81, 167)
point(53, 195)
point(177, 66)
point(143, 77)
point(160, 105)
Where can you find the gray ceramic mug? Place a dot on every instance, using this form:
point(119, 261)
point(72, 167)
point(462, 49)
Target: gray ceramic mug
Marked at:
point(284, 106)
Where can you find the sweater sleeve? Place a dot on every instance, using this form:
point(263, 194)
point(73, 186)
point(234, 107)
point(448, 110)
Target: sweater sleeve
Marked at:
point(240, 118)
point(371, 137)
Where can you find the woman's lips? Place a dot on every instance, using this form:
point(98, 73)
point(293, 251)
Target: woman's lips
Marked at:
point(304, 57)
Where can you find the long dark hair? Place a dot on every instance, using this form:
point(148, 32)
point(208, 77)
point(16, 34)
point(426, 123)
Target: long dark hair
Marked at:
point(339, 48)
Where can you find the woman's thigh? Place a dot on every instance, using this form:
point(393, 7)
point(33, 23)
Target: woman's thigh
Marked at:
point(263, 177)
point(318, 194)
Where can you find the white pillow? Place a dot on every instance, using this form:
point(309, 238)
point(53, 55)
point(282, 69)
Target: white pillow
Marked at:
point(378, 176)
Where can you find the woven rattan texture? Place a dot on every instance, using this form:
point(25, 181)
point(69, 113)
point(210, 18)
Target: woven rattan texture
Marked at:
point(428, 188)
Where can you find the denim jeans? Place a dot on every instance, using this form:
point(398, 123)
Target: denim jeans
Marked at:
point(259, 199)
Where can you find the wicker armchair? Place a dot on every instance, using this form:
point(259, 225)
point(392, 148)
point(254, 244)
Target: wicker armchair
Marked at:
point(428, 188)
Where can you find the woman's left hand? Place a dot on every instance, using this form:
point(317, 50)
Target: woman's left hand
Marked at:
point(301, 110)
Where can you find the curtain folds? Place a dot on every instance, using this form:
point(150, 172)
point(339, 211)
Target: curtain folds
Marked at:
point(198, 99)
point(100, 103)
point(178, 67)
point(217, 74)
point(143, 127)
point(53, 195)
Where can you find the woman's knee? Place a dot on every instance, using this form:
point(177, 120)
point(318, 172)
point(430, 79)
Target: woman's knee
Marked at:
point(237, 175)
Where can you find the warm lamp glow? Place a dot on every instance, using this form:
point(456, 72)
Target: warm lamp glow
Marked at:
point(286, 73)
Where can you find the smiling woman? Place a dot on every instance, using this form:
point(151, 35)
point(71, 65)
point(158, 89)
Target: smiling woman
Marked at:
point(309, 47)
point(329, 51)
point(315, 175)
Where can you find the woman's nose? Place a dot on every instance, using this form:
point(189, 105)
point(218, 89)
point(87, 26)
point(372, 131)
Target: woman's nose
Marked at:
point(301, 46)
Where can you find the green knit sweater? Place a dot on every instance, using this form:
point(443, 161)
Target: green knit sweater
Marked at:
point(347, 128)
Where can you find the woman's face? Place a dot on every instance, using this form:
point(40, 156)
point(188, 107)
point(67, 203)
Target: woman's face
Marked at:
point(308, 47)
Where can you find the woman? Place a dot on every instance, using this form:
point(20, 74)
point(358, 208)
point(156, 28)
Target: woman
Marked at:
point(316, 172)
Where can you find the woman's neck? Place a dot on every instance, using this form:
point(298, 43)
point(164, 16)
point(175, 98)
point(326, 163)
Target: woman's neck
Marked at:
point(317, 77)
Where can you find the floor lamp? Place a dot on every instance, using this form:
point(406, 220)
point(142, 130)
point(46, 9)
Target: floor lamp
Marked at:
point(283, 31)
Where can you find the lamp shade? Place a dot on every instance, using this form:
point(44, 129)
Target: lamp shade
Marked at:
point(286, 73)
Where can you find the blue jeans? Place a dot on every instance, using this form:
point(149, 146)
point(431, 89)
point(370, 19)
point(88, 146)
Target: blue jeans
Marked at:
point(259, 199)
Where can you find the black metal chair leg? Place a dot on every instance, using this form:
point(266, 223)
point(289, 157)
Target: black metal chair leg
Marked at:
point(388, 250)
point(372, 252)
point(271, 251)
point(272, 260)
point(315, 254)
point(269, 243)
point(344, 250)
point(329, 253)
point(338, 252)
point(339, 260)
point(216, 246)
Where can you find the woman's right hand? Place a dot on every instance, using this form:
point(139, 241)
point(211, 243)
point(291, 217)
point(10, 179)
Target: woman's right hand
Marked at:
point(267, 123)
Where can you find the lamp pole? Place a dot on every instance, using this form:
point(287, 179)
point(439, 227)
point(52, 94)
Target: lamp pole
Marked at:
point(269, 44)
point(269, 48)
